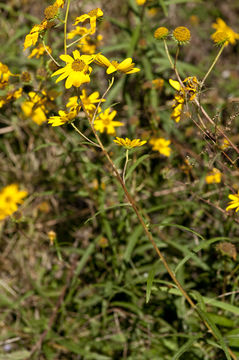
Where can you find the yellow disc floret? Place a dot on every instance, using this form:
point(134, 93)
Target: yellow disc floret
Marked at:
point(220, 37)
point(161, 33)
point(51, 11)
point(182, 35)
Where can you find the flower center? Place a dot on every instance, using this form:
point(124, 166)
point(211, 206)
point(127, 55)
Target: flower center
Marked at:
point(79, 65)
point(106, 121)
point(51, 11)
point(92, 13)
point(182, 34)
point(161, 32)
point(115, 64)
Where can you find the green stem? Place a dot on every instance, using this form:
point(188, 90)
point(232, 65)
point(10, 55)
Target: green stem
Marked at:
point(168, 55)
point(65, 25)
point(176, 58)
point(125, 165)
point(213, 64)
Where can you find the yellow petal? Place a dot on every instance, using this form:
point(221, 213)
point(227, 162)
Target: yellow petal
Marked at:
point(175, 84)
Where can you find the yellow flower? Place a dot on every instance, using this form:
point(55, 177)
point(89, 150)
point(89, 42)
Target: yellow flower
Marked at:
point(141, 2)
point(161, 33)
point(88, 45)
point(126, 66)
point(190, 89)
point(51, 11)
point(104, 122)
point(179, 99)
point(92, 16)
point(39, 51)
point(220, 38)
point(32, 37)
point(51, 236)
point(10, 197)
point(79, 30)
point(5, 73)
point(12, 95)
point(129, 144)
point(152, 11)
point(221, 26)
point(161, 145)
point(90, 101)
point(34, 108)
point(175, 84)
point(214, 177)
point(177, 111)
point(194, 19)
point(59, 3)
point(77, 69)
point(63, 117)
point(234, 203)
point(158, 83)
point(225, 144)
point(181, 35)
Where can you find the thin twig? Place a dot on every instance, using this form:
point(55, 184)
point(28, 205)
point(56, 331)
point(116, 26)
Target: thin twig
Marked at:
point(102, 99)
point(52, 58)
point(74, 42)
point(125, 165)
point(85, 137)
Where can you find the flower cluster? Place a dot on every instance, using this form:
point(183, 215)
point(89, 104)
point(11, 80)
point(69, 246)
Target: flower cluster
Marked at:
point(91, 16)
point(86, 43)
point(223, 34)
point(11, 95)
point(161, 145)
point(39, 29)
point(187, 91)
point(214, 177)
point(36, 106)
point(39, 51)
point(10, 197)
point(5, 74)
point(74, 105)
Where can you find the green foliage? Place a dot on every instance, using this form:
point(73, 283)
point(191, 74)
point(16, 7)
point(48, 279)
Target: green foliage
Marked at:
point(98, 290)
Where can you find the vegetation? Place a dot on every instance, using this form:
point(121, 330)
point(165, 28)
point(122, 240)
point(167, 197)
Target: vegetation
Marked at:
point(119, 194)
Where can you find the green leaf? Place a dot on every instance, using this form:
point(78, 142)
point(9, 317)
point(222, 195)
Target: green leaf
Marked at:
point(42, 146)
point(221, 320)
point(106, 209)
point(187, 346)
point(137, 162)
point(204, 244)
point(216, 332)
point(132, 242)
point(150, 283)
point(208, 301)
point(85, 258)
